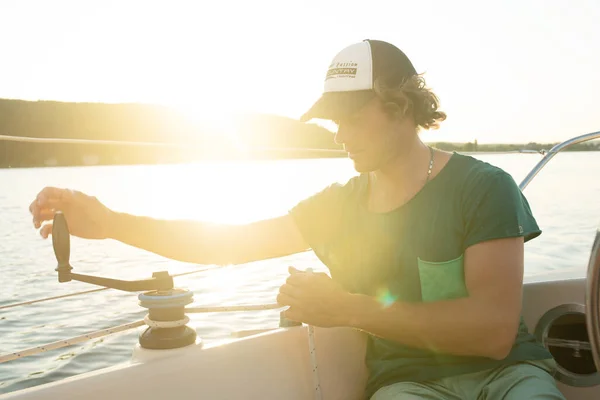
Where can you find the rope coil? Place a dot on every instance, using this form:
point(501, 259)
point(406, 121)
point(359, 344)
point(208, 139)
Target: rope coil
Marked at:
point(165, 324)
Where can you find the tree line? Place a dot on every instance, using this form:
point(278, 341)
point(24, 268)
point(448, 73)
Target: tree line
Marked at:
point(593, 145)
point(185, 140)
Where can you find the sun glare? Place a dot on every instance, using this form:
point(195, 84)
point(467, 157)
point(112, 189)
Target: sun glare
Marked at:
point(329, 125)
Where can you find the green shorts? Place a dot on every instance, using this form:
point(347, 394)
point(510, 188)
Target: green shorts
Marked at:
point(527, 380)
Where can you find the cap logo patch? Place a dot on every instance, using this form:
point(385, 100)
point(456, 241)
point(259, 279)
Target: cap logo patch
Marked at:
point(342, 70)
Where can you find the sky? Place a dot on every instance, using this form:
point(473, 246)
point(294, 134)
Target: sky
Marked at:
point(504, 71)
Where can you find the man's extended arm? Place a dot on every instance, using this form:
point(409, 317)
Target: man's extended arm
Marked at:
point(182, 240)
point(209, 243)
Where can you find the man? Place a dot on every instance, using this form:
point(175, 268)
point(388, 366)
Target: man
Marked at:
point(425, 248)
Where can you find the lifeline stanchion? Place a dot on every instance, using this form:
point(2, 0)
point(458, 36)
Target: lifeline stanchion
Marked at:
point(303, 151)
point(63, 296)
point(71, 341)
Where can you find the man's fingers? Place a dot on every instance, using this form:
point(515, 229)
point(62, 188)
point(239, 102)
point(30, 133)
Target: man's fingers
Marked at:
point(294, 314)
point(45, 215)
point(52, 192)
point(285, 300)
point(50, 197)
point(302, 279)
point(47, 202)
point(46, 230)
point(291, 291)
point(293, 270)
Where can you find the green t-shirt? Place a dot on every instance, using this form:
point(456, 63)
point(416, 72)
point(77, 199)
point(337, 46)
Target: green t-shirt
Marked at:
point(414, 253)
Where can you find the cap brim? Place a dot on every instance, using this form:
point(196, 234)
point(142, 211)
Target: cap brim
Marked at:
point(338, 105)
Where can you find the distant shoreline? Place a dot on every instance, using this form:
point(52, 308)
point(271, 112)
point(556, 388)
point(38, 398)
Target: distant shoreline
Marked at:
point(301, 154)
point(50, 133)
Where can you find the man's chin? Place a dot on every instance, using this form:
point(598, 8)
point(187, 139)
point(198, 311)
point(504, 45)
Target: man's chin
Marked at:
point(362, 167)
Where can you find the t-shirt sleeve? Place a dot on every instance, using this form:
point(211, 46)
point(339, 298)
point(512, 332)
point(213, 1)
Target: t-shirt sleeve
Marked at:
point(319, 216)
point(495, 208)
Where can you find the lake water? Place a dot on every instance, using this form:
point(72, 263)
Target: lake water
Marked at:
point(565, 198)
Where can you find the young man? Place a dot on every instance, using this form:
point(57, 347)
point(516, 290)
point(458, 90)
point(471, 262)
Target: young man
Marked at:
point(425, 248)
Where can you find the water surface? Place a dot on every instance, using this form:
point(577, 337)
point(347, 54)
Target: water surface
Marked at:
point(565, 198)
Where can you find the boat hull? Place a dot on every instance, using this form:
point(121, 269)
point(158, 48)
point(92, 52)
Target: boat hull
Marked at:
point(276, 364)
point(272, 365)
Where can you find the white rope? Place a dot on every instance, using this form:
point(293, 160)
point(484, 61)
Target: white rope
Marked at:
point(313, 360)
point(313, 357)
point(25, 303)
point(258, 307)
point(28, 139)
point(197, 270)
point(69, 342)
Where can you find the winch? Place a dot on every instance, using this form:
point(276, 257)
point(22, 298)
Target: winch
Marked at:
point(166, 317)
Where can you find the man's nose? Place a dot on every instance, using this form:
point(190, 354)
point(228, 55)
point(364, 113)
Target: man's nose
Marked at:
point(341, 136)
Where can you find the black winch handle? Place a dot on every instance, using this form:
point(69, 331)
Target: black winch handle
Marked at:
point(61, 241)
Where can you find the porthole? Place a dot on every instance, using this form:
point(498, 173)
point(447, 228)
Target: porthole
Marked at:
point(563, 331)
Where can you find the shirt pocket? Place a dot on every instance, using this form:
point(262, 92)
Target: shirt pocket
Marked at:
point(443, 280)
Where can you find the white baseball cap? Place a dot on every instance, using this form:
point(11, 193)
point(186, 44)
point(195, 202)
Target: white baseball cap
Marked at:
point(350, 79)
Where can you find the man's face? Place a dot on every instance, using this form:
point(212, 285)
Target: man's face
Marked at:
point(371, 137)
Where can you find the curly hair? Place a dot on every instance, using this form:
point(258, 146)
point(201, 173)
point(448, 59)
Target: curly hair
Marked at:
point(412, 97)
